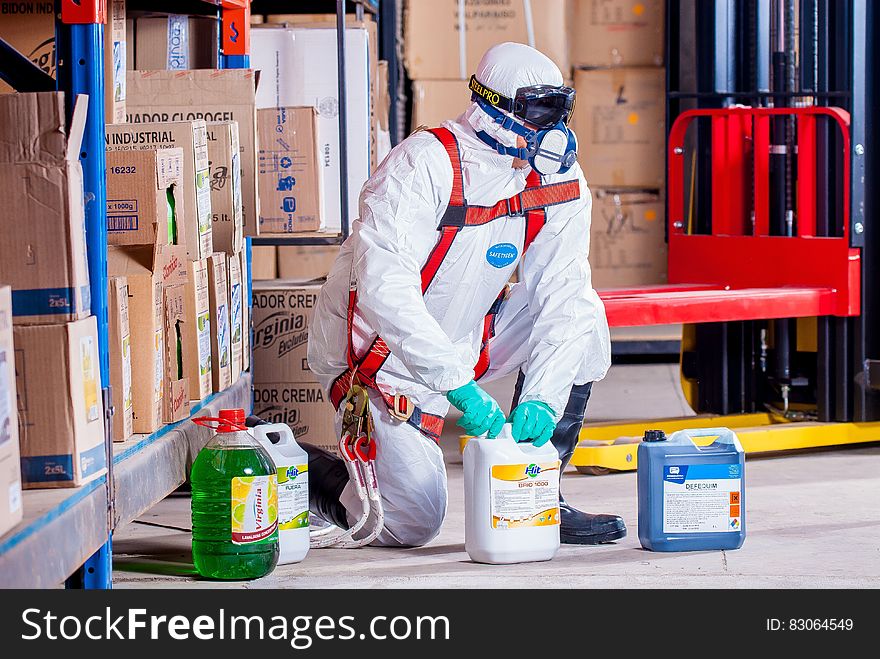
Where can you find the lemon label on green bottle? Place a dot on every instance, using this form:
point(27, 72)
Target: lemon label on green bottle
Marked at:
point(293, 497)
point(254, 508)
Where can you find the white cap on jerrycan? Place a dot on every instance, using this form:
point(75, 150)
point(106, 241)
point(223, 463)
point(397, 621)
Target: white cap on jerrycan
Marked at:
point(511, 495)
point(293, 490)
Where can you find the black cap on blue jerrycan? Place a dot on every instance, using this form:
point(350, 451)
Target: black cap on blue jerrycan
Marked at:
point(654, 436)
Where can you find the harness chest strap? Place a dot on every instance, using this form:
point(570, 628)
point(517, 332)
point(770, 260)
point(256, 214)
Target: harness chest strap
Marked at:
point(530, 203)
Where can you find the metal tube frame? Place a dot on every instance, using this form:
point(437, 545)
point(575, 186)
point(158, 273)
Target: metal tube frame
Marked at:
point(80, 49)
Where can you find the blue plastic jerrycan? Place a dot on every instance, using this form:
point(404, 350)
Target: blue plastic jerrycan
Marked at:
point(691, 498)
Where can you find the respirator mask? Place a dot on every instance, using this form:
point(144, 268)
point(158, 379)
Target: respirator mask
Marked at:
point(551, 147)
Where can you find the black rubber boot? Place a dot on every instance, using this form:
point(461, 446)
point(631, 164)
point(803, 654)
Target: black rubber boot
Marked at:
point(327, 479)
point(576, 527)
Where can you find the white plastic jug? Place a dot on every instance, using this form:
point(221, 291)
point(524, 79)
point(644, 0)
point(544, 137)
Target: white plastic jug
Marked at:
point(511, 498)
point(292, 463)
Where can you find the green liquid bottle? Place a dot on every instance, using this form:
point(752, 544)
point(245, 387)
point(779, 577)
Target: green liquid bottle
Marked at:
point(234, 504)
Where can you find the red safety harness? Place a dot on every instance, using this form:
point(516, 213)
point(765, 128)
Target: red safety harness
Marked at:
point(530, 203)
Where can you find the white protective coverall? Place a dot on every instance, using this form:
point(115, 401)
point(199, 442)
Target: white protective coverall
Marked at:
point(552, 324)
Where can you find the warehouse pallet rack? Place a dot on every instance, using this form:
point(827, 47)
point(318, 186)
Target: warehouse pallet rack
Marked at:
point(66, 534)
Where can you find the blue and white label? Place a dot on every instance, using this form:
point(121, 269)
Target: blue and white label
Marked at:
point(681, 473)
point(702, 498)
point(502, 255)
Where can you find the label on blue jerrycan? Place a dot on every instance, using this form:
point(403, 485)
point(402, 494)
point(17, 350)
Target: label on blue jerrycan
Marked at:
point(691, 497)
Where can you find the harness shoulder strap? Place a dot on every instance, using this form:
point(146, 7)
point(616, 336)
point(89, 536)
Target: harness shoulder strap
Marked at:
point(535, 219)
point(450, 143)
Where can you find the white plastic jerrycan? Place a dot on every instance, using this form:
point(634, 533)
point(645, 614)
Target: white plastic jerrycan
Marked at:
point(511, 498)
point(292, 463)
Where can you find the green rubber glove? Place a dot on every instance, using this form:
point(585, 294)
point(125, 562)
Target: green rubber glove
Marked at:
point(480, 413)
point(532, 421)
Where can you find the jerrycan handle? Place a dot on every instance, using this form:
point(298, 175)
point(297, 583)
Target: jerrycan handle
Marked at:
point(725, 435)
point(506, 434)
point(285, 434)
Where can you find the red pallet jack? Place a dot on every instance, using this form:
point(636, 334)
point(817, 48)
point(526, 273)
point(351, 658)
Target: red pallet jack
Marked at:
point(740, 272)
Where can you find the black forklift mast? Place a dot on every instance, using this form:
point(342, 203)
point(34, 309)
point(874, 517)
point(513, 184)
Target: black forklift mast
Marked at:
point(781, 53)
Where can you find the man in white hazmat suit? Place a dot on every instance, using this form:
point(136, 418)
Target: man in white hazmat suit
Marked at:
point(444, 221)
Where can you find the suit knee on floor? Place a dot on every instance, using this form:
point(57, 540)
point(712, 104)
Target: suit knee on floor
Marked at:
point(413, 513)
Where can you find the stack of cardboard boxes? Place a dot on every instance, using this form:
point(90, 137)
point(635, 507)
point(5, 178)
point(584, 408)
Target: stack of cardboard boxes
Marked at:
point(178, 98)
point(175, 230)
point(285, 390)
point(299, 122)
point(298, 126)
point(442, 47)
point(57, 383)
point(617, 51)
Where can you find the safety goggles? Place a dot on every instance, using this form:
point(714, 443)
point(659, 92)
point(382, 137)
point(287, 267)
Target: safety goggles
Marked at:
point(542, 106)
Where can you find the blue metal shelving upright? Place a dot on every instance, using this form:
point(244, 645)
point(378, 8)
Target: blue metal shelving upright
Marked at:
point(79, 47)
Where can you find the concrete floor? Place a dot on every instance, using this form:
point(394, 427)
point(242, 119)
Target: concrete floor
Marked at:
point(813, 521)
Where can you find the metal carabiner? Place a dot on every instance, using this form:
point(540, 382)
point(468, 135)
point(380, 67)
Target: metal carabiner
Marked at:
point(358, 452)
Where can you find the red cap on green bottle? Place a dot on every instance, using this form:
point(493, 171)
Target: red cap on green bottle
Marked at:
point(234, 418)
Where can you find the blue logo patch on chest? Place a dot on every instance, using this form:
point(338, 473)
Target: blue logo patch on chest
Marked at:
point(501, 255)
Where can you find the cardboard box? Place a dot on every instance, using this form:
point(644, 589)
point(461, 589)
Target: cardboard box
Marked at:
point(218, 296)
point(305, 262)
point(147, 334)
point(10, 467)
point(616, 33)
point(236, 328)
point(29, 26)
point(148, 271)
point(431, 34)
point(196, 334)
point(328, 21)
point(303, 406)
point(627, 243)
point(144, 191)
point(282, 316)
point(120, 359)
point(175, 400)
point(192, 137)
point(298, 67)
point(222, 95)
point(176, 42)
point(224, 154)
point(60, 412)
point(263, 262)
point(435, 101)
point(290, 176)
point(245, 314)
point(43, 252)
point(619, 119)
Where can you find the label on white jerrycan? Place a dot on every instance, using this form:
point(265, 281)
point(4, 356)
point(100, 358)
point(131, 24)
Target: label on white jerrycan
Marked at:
point(292, 464)
point(511, 500)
